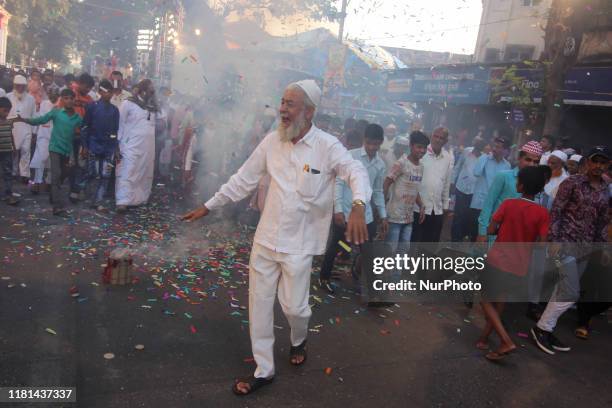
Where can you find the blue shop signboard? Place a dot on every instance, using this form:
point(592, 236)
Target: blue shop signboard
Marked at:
point(462, 84)
point(588, 86)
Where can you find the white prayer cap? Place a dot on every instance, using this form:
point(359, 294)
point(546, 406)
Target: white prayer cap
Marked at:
point(559, 154)
point(402, 141)
point(20, 80)
point(576, 158)
point(311, 89)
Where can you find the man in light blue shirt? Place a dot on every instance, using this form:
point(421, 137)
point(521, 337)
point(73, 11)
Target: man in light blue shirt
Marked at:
point(504, 186)
point(464, 181)
point(485, 170)
point(343, 202)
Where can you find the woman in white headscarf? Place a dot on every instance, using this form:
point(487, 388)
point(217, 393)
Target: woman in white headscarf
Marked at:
point(137, 118)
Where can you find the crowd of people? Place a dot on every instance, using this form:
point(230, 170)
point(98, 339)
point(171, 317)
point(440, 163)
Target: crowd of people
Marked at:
point(373, 183)
point(91, 132)
point(366, 181)
point(485, 194)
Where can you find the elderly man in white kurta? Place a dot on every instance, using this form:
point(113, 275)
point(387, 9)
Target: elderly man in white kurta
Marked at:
point(302, 162)
point(24, 105)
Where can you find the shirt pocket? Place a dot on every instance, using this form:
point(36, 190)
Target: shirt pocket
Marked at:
point(309, 185)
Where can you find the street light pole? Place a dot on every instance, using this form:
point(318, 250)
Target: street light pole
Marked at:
point(342, 18)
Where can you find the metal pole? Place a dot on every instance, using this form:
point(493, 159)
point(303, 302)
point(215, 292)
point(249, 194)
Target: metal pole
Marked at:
point(342, 18)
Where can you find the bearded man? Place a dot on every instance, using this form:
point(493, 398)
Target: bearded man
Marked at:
point(24, 105)
point(302, 162)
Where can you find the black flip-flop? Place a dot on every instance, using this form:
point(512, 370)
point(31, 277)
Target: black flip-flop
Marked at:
point(253, 382)
point(298, 351)
point(497, 356)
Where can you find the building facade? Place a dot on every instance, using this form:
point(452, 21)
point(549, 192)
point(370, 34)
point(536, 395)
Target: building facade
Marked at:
point(511, 30)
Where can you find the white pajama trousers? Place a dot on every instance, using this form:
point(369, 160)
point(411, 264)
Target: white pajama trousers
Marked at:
point(269, 270)
point(21, 155)
point(565, 293)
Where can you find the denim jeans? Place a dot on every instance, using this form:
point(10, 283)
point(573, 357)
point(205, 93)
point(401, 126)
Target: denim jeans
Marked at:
point(99, 170)
point(399, 233)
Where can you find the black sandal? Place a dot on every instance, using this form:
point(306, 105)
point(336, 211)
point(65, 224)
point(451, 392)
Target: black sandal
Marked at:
point(253, 382)
point(298, 351)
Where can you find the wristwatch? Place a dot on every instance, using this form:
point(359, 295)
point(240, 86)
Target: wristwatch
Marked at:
point(358, 203)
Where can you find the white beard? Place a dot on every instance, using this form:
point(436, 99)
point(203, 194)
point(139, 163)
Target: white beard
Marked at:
point(291, 132)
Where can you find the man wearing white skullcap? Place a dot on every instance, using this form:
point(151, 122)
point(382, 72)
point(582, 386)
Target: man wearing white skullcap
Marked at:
point(573, 164)
point(24, 105)
point(401, 145)
point(556, 160)
point(390, 135)
point(302, 162)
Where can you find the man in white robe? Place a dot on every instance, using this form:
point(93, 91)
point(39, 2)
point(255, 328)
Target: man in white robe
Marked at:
point(134, 174)
point(24, 105)
point(302, 162)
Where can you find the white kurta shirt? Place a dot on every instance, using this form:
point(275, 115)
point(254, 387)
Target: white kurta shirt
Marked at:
point(553, 184)
point(299, 203)
point(26, 107)
point(437, 175)
point(137, 146)
point(41, 153)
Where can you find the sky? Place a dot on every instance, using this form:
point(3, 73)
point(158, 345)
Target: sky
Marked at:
point(434, 25)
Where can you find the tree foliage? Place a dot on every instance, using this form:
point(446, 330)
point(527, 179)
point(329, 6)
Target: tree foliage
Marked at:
point(112, 26)
point(511, 87)
point(39, 29)
point(313, 9)
point(49, 30)
point(566, 24)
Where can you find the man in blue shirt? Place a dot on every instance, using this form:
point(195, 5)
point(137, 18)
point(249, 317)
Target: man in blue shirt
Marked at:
point(485, 170)
point(504, 186)
point(99, 139)
point(464, 182)
point(368, 156)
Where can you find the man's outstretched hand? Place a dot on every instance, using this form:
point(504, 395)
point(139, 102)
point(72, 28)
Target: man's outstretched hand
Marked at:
point(356, 229)
point(195, 214)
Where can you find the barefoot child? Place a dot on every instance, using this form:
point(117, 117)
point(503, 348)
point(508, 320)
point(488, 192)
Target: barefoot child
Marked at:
point(516, 222)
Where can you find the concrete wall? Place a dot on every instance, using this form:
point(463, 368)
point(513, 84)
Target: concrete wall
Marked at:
point(511, 22)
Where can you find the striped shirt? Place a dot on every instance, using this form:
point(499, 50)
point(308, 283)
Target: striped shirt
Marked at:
point(6, 137)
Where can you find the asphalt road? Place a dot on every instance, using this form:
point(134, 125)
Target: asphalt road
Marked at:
point(187, 308)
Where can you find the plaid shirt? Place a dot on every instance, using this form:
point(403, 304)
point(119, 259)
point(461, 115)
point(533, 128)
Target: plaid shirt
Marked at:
point(579, 212)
